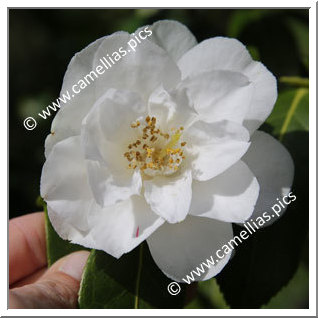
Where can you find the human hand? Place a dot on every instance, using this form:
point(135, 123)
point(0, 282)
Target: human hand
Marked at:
point(32, 284)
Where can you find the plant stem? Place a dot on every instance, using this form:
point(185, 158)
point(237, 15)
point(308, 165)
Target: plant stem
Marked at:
point(297, 98)
point(295, 81)
point(138, 276)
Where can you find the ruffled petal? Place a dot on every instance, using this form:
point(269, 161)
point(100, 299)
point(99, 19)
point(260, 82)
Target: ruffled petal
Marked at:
point(170, 196)
point(221, 53)
point(229, 197)
point(214, 147)
point(178, 249)
point(273, 167)
point(174, 37)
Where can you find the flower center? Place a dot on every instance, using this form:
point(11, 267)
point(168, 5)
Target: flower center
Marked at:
point(155, 152)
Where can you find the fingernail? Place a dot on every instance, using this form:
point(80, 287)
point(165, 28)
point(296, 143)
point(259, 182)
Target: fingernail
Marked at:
point(74, 263)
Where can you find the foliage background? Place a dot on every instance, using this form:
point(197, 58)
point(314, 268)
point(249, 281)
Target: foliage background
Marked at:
point(41, 44)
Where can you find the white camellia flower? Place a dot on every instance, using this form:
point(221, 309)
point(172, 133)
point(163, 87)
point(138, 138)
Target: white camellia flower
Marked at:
point(164, 147)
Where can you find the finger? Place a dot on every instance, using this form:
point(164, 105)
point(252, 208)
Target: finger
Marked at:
point(30, 279)
point(57, 288)
point(27, 248)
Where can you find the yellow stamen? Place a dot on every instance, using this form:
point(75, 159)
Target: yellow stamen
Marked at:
point(173, 141)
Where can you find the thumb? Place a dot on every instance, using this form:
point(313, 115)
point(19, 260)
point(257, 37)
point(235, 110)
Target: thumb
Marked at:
point(57, 288)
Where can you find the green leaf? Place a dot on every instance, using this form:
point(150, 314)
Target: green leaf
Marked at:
point(208, 296)
point(300, 31)
point(291, 113)
point(240, 19)
point(253, 50)
point(56, 247)
point(295, 294)
point(211, 290)
point(265, 263)
point(132, 281)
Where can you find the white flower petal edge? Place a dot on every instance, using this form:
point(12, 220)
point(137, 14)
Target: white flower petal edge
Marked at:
point(229, 197)
point(74, 213)
point(273, 167)
point(105, 133)
point(178, 249)
point(170, 197)
point(221, 53)
point(214, 147)
point(174, 37)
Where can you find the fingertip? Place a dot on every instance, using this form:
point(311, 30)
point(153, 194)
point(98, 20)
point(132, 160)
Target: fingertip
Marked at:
point(26, 245)
point(73, 264)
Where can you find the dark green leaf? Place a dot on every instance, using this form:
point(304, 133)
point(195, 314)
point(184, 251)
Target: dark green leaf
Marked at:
point(254, 52)
point(295, 294)
point(266, 262)
point(211, 290)
point(240, 19)
point(132, 281)
point(56, 247)
point(300, 31)
point(291, 113)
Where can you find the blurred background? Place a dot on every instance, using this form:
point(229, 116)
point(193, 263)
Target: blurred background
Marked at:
point(42, 42)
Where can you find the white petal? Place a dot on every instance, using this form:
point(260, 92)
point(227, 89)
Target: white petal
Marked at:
point(64, 174)
point(110, 188)
point(174, 37)
point(64, 187)
point(264, 96)
point(221, 53)
point(214, 147)
point(178, 249)
point(170, 197)
point(122, 227)
point(273, 167)
point(106, 133)
point(219, 95)
point(229, 197)
point(140, 69)
point(75, 215)
point(217, 53)
point(67, 121)
point(172, 109)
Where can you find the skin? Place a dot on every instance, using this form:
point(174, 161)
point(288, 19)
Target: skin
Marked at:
point(32, 284)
